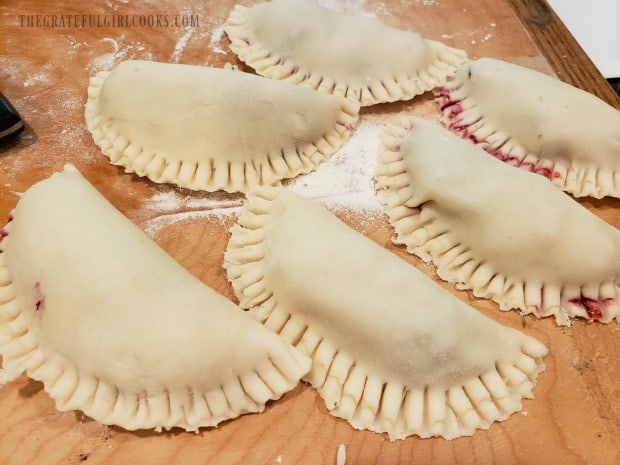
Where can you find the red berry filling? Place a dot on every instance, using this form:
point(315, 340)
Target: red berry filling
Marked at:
point(39, 306)
point(594, 308)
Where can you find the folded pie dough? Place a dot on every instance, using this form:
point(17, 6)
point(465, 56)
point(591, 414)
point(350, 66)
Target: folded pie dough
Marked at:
point(114, 327)
point(359, 57)
point(536, 122)
point(507, 234)
point(212, 129)
point(392, 351)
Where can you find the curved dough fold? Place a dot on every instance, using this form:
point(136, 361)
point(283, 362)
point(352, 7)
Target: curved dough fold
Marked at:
point(212, 129)
point(357, 57)
point(538, 123)
point(507, 234)
point(391, 351)
point(114, 327)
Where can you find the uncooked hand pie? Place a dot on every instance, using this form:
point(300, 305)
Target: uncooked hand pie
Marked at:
point(392, 351)
point(538, 123)
point(357, 57)
point(507, 234)
point(213, 129)
point(114, 327)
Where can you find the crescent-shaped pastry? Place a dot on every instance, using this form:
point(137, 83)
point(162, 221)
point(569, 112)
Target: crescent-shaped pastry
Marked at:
point(114, 327)
point(391, 351)
point(357, 57)
point(538, 123)
point(212, 129)
point(507, 234)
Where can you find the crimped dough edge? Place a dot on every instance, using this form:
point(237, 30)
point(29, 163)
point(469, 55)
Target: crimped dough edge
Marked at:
point(414, 228)
point(350, 391)
point(213, 173)
point(461, 115)
point(260, 58)
point(187, 407)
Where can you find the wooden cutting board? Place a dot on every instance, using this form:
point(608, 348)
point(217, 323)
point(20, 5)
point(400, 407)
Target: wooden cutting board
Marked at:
point(575, 416)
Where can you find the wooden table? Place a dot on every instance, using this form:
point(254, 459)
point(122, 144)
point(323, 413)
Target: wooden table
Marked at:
point(575, 417)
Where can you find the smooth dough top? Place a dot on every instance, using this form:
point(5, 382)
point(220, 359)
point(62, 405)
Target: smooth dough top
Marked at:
point(354, 56)
point(115, 304)
point(188, 112)
point(373, 305)
point(547, 116)
point(516, 218)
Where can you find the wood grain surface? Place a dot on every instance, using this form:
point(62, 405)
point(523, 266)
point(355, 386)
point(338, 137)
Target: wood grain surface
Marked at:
point(44, 71)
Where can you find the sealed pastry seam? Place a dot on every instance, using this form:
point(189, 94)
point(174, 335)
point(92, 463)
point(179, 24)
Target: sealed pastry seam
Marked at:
point(551, 282)
point(129, 381)
point(422, 65)
point(546, 127)
point(350, 378)
point(201, 128)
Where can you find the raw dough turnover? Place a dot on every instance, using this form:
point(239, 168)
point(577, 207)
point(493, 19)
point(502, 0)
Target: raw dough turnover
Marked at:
point(538, 123)
point(392, 351)
point(212, 129)
point(359, 57)
point(507, 234)
point(114, 327)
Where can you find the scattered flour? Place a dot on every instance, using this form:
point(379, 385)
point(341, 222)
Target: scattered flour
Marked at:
point(171, 205)
point(344, 182)
point(216, 37)
point(37, 78)
point(112, 5)
point(106, 60)
point(180, 45)
point(341, 455)
point(475, 36)
point(351, 7)
point(119, 52)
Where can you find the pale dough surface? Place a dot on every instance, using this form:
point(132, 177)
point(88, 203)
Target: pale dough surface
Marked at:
point(359, 57)
point(508, 234)
point(392, 351)
point(212, 129)
point(537, 122)
point(113, 326)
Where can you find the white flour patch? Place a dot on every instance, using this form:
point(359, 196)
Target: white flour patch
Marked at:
point(350, 7)
point(37, 78)
point(152, 226)
point(342, 183)
point(216, 37)
point(382, 9)
point(180, 45)
point(118, 53)
point(170, 199)
point(345, 180)
point(106, 61)
point(341, 455)
point(172, 205)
